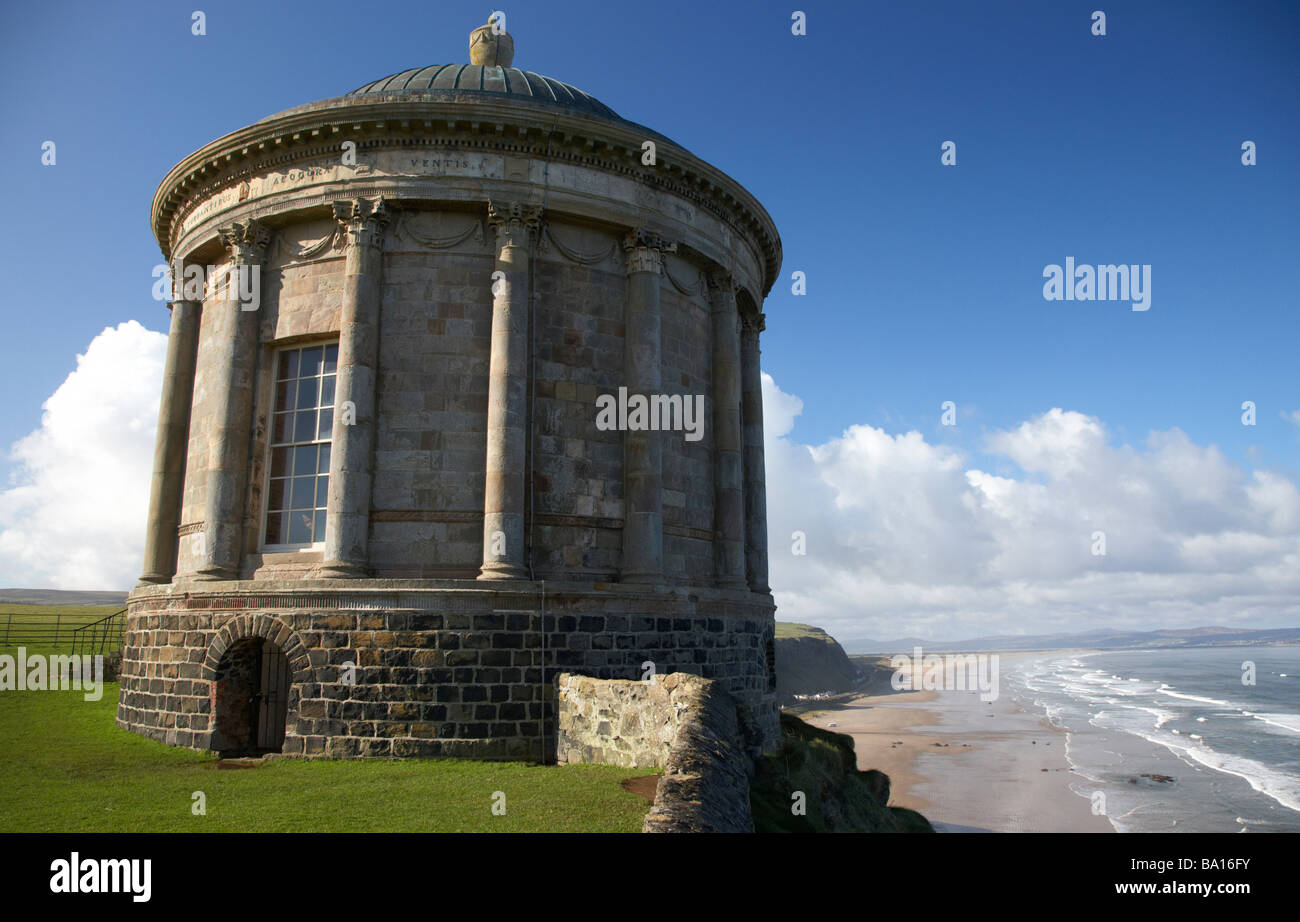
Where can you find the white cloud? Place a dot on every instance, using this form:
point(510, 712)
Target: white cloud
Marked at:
point(905, 537)
point(73, 516)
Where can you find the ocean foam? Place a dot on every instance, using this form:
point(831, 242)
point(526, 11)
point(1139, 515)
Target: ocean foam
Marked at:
point(1278, 785)
point(1289, 722)
point(1217, 702)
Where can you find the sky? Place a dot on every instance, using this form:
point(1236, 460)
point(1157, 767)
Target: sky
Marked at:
point(924, 281)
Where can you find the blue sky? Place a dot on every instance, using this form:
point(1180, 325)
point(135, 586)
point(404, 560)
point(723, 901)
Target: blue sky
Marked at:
point(924, 282)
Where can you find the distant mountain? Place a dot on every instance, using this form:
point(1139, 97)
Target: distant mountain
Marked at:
point(1101, 639)
point(60, 597)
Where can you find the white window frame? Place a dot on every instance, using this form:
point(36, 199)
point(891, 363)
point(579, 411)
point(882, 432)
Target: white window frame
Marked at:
point(271, 445)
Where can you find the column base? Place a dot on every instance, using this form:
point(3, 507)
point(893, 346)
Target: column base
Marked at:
point(213, 574)
point(501, 570)
point(732, 584)
point(339, 569)
point(154, 579)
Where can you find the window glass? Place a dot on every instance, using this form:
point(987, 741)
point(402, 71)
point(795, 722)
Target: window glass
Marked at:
point(302, 416)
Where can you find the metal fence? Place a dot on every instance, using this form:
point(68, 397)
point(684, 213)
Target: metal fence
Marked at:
point(100, 636)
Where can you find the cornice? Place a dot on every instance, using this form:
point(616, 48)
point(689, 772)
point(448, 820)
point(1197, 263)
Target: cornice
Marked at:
point(494, 126)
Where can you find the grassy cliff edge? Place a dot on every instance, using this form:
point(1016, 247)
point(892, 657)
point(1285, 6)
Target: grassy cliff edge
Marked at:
point(822, 766)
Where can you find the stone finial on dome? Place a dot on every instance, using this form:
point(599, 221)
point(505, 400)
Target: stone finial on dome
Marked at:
point(491, 45)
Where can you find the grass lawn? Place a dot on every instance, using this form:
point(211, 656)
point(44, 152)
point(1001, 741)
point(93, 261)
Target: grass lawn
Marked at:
point(791, 629)
point(66, 767)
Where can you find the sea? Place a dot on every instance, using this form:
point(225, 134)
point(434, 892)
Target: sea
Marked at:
point(1173, 739)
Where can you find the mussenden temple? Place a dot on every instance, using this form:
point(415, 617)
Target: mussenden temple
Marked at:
point(383, 517)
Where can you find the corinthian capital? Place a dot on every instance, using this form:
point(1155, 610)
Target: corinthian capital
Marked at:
point(362, 220)
point(752, 324)
point(722, 288)
point(645, 251)
point(246, 241)
point(514, 222)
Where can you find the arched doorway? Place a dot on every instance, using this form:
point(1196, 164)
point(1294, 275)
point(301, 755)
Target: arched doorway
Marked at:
point(250, 697)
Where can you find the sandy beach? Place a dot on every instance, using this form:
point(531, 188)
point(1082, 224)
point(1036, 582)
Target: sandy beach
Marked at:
point(966, 764)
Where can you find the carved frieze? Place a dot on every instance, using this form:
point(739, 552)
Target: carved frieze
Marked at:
point(423, 230)
point(289, 251)
point(572, 254)
point(690, 290)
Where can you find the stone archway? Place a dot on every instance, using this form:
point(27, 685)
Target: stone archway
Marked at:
point(255, 667)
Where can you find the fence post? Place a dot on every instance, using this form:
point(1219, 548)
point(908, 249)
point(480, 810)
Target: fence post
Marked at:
point(8, 624)
point(57, 619)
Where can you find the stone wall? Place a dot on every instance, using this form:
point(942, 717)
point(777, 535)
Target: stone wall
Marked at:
point(427, 500)
point(431, 400)
point(453, 669)
point(688, 474)
point(689, 726)
point(625, 722)
point(577, 484)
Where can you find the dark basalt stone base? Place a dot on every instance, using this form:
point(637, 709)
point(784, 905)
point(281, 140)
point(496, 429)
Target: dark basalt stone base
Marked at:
point(404, 668)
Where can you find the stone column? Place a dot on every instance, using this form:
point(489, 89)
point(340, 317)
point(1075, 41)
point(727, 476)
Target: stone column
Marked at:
point(171, 443)
point(234, 351)
point(755, 476)
point(505, 487)
point(643, 501)
point(728, 444)
point(347, 507)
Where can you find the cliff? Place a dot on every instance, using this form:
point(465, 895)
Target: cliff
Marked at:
point(808, 661)
point(714, 778)
point(813, 785)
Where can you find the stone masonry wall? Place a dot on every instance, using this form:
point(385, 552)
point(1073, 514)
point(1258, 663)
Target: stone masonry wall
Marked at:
point(625, 722)
point(687, 466)
point(464, 671)
point(431, 400)
point(687, 725)
point(577, 484)
point(435, 333)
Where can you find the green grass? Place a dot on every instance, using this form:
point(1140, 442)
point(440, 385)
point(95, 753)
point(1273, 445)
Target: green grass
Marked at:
point(34, 615)
point(66, 767)
point(787, 629)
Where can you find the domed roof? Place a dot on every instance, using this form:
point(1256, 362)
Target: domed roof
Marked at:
point(494, 93)
point(468, 81)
